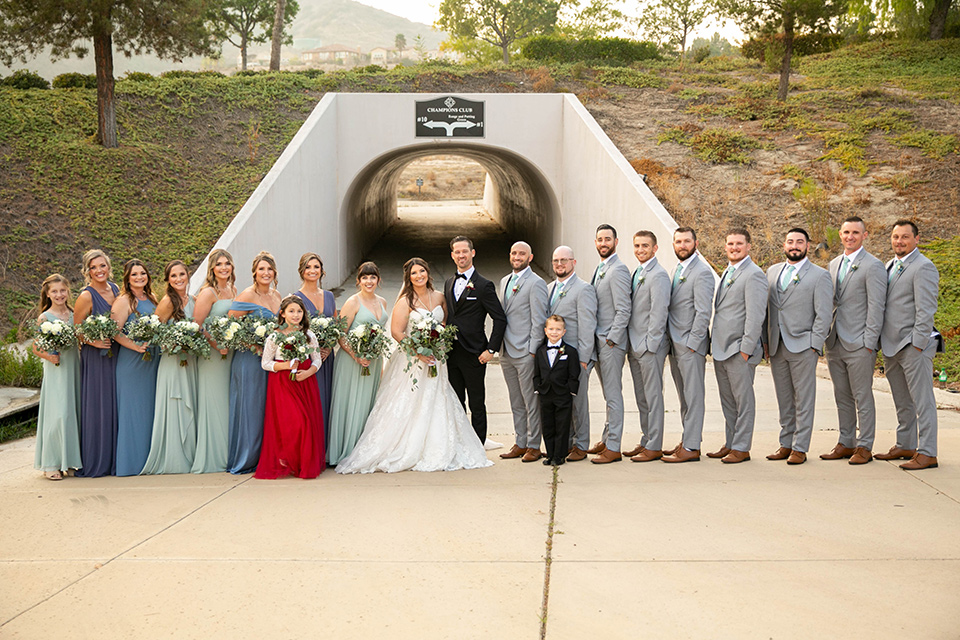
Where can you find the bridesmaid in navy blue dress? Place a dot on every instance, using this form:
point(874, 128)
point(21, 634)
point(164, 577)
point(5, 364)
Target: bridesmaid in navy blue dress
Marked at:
point(248, 380)
point(98, 385)
point(319, 302)
point(136, 377)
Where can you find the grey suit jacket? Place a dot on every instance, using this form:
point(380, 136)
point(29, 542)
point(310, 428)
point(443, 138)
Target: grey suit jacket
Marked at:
point(649, 304)
point(799, 316)
point(577, 305)
point(613, 301)
point(739, 310)
point(526, 310)
point(858, 303)
point(911, 303)
point(691, 305)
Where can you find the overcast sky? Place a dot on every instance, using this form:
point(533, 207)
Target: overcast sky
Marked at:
point(424, 11)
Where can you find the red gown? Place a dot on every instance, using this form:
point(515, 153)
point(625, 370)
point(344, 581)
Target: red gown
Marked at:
point(292, 428)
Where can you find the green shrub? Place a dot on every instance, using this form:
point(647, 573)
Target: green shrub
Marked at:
point(75, 81)
point(247, 73)
point(19, 370)
point(700, 53)
point(23, 79)
point(370, 68)
point(138, 76)
point(184, 73)
point(308, 73)
point(560, 49)
point(807, 44)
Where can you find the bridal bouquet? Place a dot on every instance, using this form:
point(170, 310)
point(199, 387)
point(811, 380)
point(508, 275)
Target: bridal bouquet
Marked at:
point(368, 341)
point(96, 327)
point(328, 330)
point(293, 346)
point(225, 331)
point(144, 329)
point(428, 337)
point(183, 337)
point(255, 332)
point(54, 336)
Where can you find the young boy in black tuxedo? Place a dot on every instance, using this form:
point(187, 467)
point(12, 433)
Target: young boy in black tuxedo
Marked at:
point(556, 379)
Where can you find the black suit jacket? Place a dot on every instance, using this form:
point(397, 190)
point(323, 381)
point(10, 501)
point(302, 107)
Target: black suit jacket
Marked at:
point(563, 378)
point(470, 313)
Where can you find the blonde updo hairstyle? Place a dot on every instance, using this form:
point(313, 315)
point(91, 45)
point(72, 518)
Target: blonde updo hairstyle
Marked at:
point(88, 259)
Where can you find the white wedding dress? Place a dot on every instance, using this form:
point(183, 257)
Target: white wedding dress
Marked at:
point(422, 427)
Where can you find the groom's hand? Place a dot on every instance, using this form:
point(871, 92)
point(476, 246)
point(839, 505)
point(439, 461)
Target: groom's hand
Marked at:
point(484, 357)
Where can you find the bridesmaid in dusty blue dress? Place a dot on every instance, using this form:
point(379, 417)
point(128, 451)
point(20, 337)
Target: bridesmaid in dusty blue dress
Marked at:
point(353, 393)
point(58, 427)
point(213, 374)
point(316, 298)
point(98, 383)
point(248, 380)
point(136, 377)
point(173, 442)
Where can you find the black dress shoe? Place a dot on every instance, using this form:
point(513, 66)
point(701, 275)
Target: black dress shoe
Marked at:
point(547, 462)
point(559, 461)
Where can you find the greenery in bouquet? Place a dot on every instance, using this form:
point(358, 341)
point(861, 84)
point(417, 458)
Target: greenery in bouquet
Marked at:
point(328, 330)
point(294, 346)
point(255, 332)
point(428, 337)
point(368, 341)
point(96, 327)
point(54, 336)
point(144, 330)
point(183, 338)
point(227, 332)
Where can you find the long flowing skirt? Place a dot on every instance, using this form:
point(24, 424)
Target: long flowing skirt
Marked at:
point(292, 429)
point(136, 395)
point(98, 412)
point(173, 443)
point(213, 413)
point(248, 396)
point(58, 428)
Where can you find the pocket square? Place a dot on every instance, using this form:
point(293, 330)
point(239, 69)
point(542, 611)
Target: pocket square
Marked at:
point(563, 357)
point(473, 298)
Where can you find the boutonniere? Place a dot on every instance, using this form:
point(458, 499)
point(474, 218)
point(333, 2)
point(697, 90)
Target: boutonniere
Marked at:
point(683, 279)
point(854, 267)
point(560, 351)
point(470, 285)
point(515, 288)
point(601, 274)
point(900, 268)
point(795, 279)
point(730, 280)
point(641, 281)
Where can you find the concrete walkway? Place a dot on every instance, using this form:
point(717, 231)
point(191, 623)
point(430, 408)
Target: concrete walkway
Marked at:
point(702, 550)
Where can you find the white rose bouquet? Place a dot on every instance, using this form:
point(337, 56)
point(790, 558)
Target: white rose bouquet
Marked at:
point(54, 336)
point(99, 326)
point(328, 330)
point(227, 332)
point(428, 337)
point(294, 347)
point(183, 338)
point(255, 332)
point(144, 330)
point(368, 341)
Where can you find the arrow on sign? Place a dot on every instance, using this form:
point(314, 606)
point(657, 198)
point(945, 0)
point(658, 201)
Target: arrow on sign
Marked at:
point(449, 126)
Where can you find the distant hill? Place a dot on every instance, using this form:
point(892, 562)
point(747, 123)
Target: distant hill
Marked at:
point(319, 23)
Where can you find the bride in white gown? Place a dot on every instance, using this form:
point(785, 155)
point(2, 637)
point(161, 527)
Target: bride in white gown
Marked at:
point(421, 427)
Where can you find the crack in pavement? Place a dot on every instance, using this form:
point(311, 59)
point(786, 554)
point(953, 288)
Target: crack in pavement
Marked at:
point(548, 557)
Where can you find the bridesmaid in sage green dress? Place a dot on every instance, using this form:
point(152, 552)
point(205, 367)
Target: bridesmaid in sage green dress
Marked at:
point(353, 394)
point(213, 375)
point(58, 425)
point(174, 440)
point(136, 377)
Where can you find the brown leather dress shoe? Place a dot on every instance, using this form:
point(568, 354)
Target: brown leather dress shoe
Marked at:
point(919, 462)
point(532, 455)
point(719, 454)
point(671, 452)
point(597, 448)
point(682, 455)
point(780, 454)
point(861, 455)
point(637, 450)
point(647, 455)
point(607, 457)
point(576, 455)
point(735, 457)
point(515, 452)
point(797, 457)
point(896, 453)
point(838, 452)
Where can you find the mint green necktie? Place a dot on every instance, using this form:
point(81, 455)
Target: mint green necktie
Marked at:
point(676, 274)
point(556, 293)
point(513, 281)
point(636, 277)
point(844, 266)
point(785, 282)
point(895, 269)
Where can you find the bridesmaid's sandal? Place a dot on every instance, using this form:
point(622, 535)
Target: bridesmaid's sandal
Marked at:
point(53, 475)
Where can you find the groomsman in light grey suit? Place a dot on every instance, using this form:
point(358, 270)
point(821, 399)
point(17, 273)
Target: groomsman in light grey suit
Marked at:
point(649, 343)
point(611, 279)
point(523, 295)
point(860, 292)
point(739, 310)
point(691, 305)
point(909, 342)
point(799, 307)
point(576, 302)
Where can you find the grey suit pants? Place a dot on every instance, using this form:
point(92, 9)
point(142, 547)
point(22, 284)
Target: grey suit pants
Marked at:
point(795, 382)
point(610, 372)
point(518, 374)
point(910, 373)
point(688, 369)
point(852, 376)
point(737, 401)
point(580, 434)
point(647, 371)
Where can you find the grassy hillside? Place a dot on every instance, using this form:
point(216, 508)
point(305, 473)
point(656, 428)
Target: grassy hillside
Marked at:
point(869, 130)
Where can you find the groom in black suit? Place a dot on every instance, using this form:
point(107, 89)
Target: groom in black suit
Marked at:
point(470, 299)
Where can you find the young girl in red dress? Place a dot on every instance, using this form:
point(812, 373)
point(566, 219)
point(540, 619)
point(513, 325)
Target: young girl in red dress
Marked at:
point(293, 423)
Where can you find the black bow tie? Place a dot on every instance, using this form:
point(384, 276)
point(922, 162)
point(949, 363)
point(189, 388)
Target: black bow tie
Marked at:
point(556, 347)
point(461, 275)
